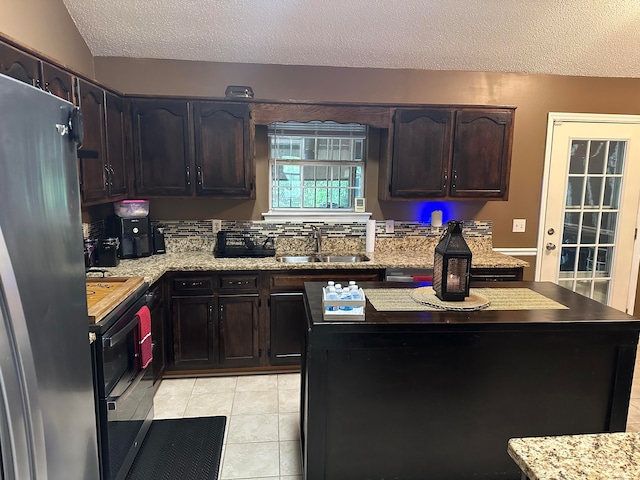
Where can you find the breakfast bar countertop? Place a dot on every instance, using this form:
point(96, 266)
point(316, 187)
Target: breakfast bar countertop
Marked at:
point(153, 267)
point(602, 456)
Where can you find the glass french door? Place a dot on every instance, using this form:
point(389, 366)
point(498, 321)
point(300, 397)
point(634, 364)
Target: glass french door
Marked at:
point(591, 209)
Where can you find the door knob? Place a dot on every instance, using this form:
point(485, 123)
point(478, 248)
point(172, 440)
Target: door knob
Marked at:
point(551, 246)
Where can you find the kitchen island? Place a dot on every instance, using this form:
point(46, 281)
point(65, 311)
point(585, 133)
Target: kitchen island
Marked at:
point(438, 394)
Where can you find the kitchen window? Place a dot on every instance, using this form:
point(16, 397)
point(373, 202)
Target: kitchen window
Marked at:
point(315, 168)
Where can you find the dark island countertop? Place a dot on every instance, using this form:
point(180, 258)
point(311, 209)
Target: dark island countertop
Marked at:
point(580, 310)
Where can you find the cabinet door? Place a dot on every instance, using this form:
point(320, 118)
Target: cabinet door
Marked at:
point(19, 65)
point(57, 82)
point(116, 145)
point(287, 328)
point(421, 153)
point(194, 339)
point(223, 148)
point(93, 171)
point(238, 320)
point(161, 147)
point(482, 153)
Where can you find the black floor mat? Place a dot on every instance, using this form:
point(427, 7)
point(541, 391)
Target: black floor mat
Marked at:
point(181, 448)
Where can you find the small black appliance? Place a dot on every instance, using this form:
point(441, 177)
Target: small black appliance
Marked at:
point(134, 234)
point(108, 252)
point(158, 239)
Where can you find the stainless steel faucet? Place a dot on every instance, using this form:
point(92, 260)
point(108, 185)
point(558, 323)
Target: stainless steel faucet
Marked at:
point(317, 235)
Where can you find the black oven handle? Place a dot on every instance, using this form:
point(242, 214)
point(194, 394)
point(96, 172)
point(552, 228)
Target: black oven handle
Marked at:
point(109, 341)
point(112, 402)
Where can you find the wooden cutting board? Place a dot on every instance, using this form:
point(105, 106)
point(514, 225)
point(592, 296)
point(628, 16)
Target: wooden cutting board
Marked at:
point(105, 294)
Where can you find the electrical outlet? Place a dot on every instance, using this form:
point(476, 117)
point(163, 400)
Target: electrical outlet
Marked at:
point(519, 225)
point(389, 226)
point(216, 226)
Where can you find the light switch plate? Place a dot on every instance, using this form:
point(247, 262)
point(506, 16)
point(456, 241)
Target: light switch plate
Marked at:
point(216, 226)
point(389, 226)
point(519, 225)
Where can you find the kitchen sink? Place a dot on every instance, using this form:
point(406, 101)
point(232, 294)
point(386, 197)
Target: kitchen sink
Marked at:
point(296, 259)
point(342, 258)
point(322, 258)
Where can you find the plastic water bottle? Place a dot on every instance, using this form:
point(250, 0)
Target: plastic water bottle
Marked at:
point(355, 291)
point(331, 295)
point(346, 295)
point(331, 283)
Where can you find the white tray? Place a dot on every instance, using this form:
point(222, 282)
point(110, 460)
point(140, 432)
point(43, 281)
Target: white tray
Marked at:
point(343, 315)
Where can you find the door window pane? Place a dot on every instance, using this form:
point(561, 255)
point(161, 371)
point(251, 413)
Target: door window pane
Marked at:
point(592, 192)
point(571, 225)
point(585, 262)
point(574, 191)
point(612, 192)
point(589, 227)
point(608, 227)
point(604, 261)
point(616, 157)
point(583, 287)
point(568, 260)
point(597, 156)
point(566, 284)
point(578, 160)
point(601, 291)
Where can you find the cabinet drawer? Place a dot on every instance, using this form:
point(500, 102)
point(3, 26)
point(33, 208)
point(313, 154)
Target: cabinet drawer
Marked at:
point(238, 282)
point(192, 286)
point(296, 281)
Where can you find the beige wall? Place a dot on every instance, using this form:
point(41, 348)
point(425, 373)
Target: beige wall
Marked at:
point(533, 95)
point(46, 26)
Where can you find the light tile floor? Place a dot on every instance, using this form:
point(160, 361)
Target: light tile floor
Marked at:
point(262, 437)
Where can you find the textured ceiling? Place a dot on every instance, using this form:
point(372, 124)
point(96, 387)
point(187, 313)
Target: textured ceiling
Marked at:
point(567, 37)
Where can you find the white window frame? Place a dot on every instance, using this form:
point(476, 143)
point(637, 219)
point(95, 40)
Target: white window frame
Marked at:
point(316, 214)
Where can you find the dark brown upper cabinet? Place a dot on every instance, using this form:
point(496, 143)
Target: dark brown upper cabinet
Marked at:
point(57, 82)
point(421, 153)
point(224, 150)
point(116, 140)
point(161, 147)
point(482, 153)
point(19, 65)
point(94, 182)
point(447, 153)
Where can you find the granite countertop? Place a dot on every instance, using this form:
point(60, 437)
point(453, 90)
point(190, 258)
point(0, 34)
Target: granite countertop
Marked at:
point(153, 267)
point(603, 456)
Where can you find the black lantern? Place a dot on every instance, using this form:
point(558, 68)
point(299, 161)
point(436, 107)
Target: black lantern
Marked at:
point(452, 265)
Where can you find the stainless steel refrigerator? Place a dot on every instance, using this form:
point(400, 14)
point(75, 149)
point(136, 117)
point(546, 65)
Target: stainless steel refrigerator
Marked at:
point(47, 410)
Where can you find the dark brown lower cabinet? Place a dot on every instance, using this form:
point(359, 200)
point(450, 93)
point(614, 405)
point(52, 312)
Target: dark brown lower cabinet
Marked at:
point(287, 328)
point(194, 332)
point(239, 338)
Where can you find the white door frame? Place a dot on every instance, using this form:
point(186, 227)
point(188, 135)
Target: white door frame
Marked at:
point(582, 118)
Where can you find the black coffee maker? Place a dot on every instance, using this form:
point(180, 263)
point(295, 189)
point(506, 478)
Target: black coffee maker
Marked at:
point(134, 234)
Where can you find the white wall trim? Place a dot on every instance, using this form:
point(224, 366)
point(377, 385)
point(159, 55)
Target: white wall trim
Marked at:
point(311, 216)
point(518, 252)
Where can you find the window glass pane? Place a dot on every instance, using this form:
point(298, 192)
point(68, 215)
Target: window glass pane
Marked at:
point(589, 227)
point(592, 192)
point(574, 191)
point(615, 161)
point(568, 259)
point(601, 291)
point(611, 192)
point(578, 158)
point(608, 227)
point(583, 287)
point(585, 262)
point(604, 262)
point(597, 156)
point(571, 224)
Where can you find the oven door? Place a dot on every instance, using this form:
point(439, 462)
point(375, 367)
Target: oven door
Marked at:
point(119, 359)
point(129, 415)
